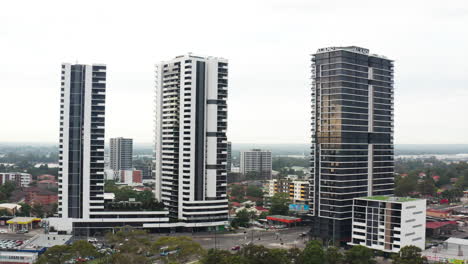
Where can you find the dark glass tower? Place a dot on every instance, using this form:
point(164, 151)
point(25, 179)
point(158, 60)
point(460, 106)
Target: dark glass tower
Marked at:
point(81, 149)
point(352, 135)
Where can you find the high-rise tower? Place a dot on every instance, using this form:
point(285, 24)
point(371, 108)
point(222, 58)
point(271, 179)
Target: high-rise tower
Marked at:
point(81, 149)
point(121, 153)
point(83, 207)
point(190, 139)
point(352, 135)
point(256, 161)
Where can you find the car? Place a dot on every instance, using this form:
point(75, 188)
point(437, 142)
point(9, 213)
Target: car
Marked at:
point(3, 231)
point(236, 247)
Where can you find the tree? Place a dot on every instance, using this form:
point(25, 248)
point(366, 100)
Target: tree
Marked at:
point(184, 247)
point(263, 215)
point(333, 256)
point(82, 248)
point(6, 189)
point(409, 255)
point(295, 255)
point(55, 255)
point(280, 204)
point(313, 253)
point(120, 258)
point(254, 191)
point(256, 254)
point(219, 256)
point(427, 187)
point(238, 191)
point(404, 186)
point(37, 209)
point(136, 238)
point(25, 210)
point(359, 255)
point(243, 218)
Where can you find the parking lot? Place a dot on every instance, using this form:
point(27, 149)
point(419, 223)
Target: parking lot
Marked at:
point(10, 243)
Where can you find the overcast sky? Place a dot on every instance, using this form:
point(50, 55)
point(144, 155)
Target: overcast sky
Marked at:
point(268, 45)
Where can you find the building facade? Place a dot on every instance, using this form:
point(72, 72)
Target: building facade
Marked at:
point(81, 206)
point(229, 157)
point(389, 223)
point(121, 154)
point(256, 161)
point(81, 148)
point(190, 139)
point(352, 135)
point(20, 179)
point(298, 191)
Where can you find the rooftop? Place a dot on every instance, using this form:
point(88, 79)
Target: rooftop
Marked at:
point(48, 240)
point(10, 206)
point(457, 241)
point(390, 198)
point(354, 49)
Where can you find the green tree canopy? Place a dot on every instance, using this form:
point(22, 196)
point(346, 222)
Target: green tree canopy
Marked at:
point(409, 255)
point(333, 256)
point(254, 191)
point(359, 255)
point(186, 248)
point(313, 253)
point(280, 204)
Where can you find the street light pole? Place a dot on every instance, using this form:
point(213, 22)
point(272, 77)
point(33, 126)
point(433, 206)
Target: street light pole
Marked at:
point(216, 245)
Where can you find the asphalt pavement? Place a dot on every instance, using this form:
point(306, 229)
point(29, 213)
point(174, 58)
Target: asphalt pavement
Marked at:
point(280, 238)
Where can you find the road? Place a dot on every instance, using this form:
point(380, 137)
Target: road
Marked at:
point(272, 239)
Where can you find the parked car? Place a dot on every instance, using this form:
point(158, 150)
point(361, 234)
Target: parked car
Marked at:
point(236, 247)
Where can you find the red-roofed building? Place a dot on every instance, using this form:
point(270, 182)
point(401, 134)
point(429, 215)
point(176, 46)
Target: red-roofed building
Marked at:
point(235, 204)
point(422, 175)
point(404, 175)
point(40, 196)
point(46, 177)
point(436, 178)
point(440, 228)
point(261, 209)
point(47, 184)
point(438, 213)
point(283, 219)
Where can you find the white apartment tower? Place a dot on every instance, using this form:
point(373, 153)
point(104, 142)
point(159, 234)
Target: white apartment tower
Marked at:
point(258, 161)
point(190, 139)
point(82, 207)
point(121, 153)
point(389, 223)
point(81, 147)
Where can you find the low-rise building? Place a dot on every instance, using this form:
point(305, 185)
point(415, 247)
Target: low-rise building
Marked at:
point(131, 177)
point(47, 184)
point(46, 177)
point(453, 250)
point(29, 251)
point(10, 208)
point(297, 190)
point(19, 178)
point(389, 223)
point(40, 196)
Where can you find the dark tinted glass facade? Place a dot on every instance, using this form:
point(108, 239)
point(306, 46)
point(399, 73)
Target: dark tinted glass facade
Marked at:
point(81, 159)
point(352, 135)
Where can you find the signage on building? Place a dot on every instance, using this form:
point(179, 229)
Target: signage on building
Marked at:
point(299, 207)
